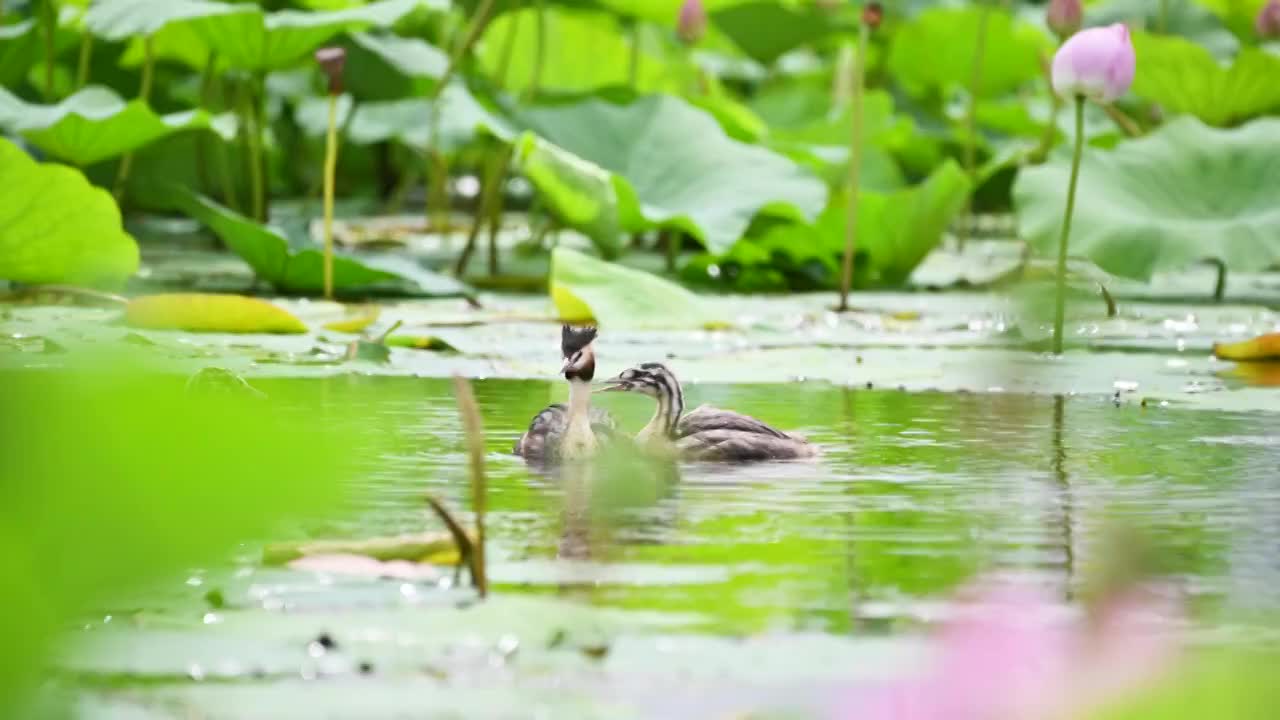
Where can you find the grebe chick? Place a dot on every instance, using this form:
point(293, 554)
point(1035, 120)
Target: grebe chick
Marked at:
point(707, 433)
point(565, 432)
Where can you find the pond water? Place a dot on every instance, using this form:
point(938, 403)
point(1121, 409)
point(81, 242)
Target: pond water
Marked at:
point(835, 561)
point(914, 493)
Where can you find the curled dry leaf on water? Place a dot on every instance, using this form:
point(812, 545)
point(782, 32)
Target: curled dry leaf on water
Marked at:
point(1263, 347)
point(206, 312)
point(366, 316)
point(434, 547)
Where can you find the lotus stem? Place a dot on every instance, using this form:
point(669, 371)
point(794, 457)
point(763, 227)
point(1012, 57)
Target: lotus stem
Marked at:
point(1122, 121)
point(144, 94)
point(671, 247)
point(1060, 305)
point(971, 120)
point(49, 24)
point(855, 165)
point(478, 24)
point(540, 51)
point(1163, 19)
point(330, 173)
point(483, 208)
point(508, 47)
point(437, 191)
point(496, 204)
point(473, 426)
point(1055, 105)
point(1219, 285)
point(84, 61)
point(202, 139)
point(258, 94)
point(253, 144)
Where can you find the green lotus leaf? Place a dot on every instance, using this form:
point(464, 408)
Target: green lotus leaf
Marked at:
point(1186, 192)
point(294, 270)
point(581, 194)
point(96, 124)
point(767, 30)
point(1184, 78)
point(675, 166)
point(585, 288)
point(934, 52)
point(57, 228)
point(410, 57)
point(245, 37)
point(1238, 15)
point(124, 19)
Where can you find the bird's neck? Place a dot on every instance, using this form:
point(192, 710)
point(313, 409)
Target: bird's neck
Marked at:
point(579, 439)
point(662, 426)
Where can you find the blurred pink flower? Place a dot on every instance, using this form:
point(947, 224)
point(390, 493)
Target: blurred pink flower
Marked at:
point(1268, 23)
point(692, 24)
point(1064, 17)
point(1012, 653)
point(1097, 63)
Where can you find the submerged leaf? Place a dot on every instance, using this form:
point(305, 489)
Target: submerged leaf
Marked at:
point(206, 312)
point(96, 124)
point(584, 288)
point(57, 228)
point(674, 166)
point(1184, 193)
point(1182, 77)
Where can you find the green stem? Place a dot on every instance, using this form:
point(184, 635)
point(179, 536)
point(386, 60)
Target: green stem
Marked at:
point(202, 139)
point(540, 51)
point(330, 175)
point(1220, 286)
point(259, 95)
point(508, 48)
point(84, 61)
point(971, 119)
point(1164, 17)
point(496, 206)
point(437, 191)
point(1060, 306)
point(671, 246)
point(855, 166)
point(478, 25)
point(144, 94)
point(253, 139)
point(49, 23)
point(1055, 105)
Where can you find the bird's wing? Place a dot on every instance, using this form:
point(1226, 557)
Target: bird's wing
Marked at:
point(705, 418)
point(544, 432)
point(737, 446)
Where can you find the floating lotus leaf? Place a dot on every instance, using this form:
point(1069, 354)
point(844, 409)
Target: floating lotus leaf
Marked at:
point(935, 51)
point(205, 312)
point(57, 228)
point(1184, 193)
point(674, 165)
point(1184, 78)
point(96, 124)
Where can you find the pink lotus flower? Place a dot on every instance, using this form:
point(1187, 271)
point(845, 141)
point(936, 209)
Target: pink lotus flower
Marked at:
point(1097, 63)
point(692, 24)
point(1268, 23)
point(1014, 654)
point(1064, 17)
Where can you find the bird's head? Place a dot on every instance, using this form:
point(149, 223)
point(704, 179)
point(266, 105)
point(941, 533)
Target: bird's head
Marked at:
point(579, 357)
point(652, 379)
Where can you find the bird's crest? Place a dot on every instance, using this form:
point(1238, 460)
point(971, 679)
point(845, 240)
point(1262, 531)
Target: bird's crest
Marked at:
point(574, 339)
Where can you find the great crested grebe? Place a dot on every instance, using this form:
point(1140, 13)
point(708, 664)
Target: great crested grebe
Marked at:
point(707, 433)
point(566, 432)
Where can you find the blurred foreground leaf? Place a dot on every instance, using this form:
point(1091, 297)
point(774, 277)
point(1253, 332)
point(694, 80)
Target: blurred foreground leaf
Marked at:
point(114, 477)
point(57, 228)
point(1011, 58)
point(1184, 193)
point(584, 288)
point(96, 124)
point(1263, 347)
point(210, 313)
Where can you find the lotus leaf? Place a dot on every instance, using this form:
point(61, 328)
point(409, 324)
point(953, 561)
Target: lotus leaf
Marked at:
point(96, 124)
point(210, 313)
point(1184, 78)
point(581, 194)
point(584, 288)
point(1184, 193)
point(243, 36)
point(57, 228)
point(674, 165)
point(1012, 55)
point(267, 251)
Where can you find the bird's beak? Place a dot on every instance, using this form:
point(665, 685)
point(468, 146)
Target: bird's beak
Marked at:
point(615, 384)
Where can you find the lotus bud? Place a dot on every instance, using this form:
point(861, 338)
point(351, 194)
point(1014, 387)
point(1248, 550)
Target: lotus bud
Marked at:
point(872, 14)
point(1064, 17)
point(332, 60)
point(692, 23)
point(1268, 22)
point(1097, 63)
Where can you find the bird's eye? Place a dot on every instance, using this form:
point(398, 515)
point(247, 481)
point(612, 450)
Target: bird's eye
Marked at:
point(628, 375)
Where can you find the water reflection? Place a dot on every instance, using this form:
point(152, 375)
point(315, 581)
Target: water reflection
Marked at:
point(915, 493)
